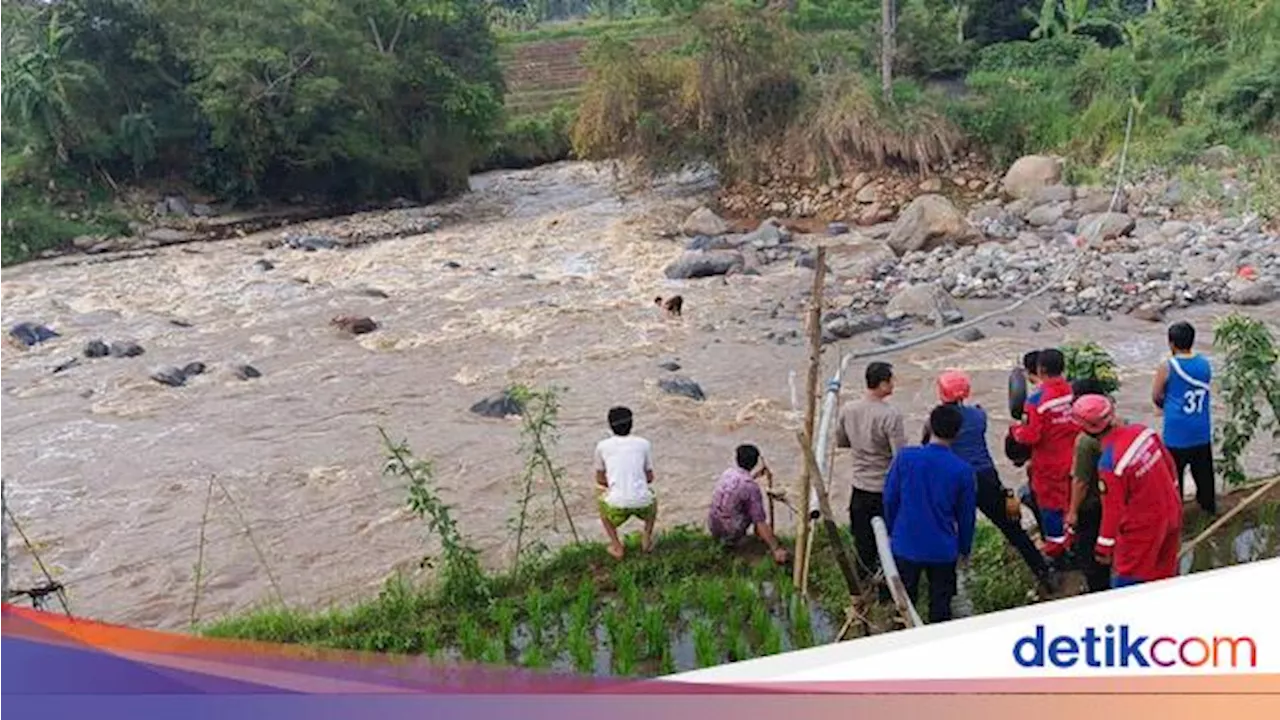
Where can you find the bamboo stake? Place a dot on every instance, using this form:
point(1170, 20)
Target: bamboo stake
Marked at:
point(810, 410)
point(204, 521)
point(828, 519)
point(768, 479)
point(1191, 546)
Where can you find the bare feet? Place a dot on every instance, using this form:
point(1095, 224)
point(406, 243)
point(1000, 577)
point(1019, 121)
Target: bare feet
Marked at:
point(616, 551)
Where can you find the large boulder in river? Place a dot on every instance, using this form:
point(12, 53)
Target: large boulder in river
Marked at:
point(27, 334)
point(1243, 291)
point(503, 404)
point(861, 260)
point(683, 386)
point(704, 264)
point(926, 301)
point(929, 221)
point(703, 222)
point(1030, 174)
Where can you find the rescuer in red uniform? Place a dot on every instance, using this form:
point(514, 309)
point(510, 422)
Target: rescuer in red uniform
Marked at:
point(1141, 510)
point(1050, 432)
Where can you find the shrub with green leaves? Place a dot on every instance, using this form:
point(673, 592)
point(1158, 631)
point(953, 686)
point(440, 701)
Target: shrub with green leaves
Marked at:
point(1090, 361)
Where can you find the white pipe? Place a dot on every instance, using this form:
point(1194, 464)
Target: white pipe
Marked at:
point(891, 576)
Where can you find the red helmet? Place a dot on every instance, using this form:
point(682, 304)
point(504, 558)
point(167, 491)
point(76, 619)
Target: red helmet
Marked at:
point(953, 386)
point(1092, 413)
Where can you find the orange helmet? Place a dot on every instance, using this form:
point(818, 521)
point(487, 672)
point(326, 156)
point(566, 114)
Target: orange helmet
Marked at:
point(953, 386)
point(1092, 413)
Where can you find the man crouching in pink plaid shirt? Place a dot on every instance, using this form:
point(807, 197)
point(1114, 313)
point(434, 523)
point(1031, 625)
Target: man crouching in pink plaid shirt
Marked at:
point(737, 503)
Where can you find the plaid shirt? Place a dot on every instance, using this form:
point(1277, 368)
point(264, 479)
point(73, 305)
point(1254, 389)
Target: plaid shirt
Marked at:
point(736, 504)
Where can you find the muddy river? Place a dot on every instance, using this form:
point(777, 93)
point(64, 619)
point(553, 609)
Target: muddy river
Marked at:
point(108, 471)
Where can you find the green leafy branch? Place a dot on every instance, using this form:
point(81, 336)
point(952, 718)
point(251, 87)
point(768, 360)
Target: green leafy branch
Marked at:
point(463, 582)
point(1249, 375)
point(539, 435)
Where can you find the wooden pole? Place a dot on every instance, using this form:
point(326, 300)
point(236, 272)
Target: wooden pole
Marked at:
point(4, 541)
point(810, 406)
point(768, 479)
point(1226, 517)
point(828, 519)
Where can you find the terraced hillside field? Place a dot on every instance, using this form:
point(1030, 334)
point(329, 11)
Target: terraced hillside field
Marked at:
point(544, 73)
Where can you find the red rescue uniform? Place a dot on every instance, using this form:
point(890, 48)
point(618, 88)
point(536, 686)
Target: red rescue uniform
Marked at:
point(1050, 432)
point(1141, 511)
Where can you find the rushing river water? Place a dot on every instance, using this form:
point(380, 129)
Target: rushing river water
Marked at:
point(108, 471)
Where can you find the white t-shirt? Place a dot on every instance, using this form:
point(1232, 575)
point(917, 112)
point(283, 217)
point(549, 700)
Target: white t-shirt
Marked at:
point(624, 460)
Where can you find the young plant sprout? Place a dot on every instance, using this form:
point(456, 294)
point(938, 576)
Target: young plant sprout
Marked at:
point(705, 651)
point(581, 650)
point(471, 640)
point(801, 623)
point(655, 632)
point(504, 616)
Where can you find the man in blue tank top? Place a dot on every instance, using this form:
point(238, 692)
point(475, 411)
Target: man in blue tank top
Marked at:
point(1182, 393)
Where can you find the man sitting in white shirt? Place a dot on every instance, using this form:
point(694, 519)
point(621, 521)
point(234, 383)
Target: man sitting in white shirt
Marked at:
point(624, 471)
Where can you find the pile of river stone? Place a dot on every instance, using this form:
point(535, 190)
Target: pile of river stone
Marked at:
point(1133, 254)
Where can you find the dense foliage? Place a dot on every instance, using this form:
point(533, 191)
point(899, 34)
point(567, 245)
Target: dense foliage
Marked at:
point(1043, 75)
point(250, 99)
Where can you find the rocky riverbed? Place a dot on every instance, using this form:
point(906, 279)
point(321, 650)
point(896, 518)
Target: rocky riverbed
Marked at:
point(270, 362)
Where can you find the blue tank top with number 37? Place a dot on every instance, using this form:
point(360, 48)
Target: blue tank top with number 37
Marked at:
point(1186, 402)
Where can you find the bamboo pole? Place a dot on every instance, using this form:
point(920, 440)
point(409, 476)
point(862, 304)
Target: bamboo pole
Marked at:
point(810, 409)
point(1226, 517)
point(828, 519)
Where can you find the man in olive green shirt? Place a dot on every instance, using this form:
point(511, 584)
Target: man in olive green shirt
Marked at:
point(1084, 516)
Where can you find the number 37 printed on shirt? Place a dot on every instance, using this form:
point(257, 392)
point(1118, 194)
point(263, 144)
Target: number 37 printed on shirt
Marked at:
point(1193, 401)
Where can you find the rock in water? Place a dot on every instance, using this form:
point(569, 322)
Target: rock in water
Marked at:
point(681, 385)
point(703, 222)
point(1029, 174)
point(311, 243)
point(926, 301)
point(193, 369)
point(501, 405)
point(66, 365)
point(354, 325)
point(970, 335)
point(846, 326)
point(929, 221)
point(669, 365)
point(707, 242)
point(96, 349)
point(860, 260)
point(1242, 291)
point(1150, 312)
point(171, 376)
point(31, 334)
point(126, 348)
point(246, 372)
point(704, 264)
point(264, 265)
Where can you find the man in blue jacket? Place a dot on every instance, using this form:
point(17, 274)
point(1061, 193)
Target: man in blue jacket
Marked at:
point(930, 510)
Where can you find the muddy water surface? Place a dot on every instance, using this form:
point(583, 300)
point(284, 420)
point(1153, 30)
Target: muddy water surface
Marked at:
point(108, 471)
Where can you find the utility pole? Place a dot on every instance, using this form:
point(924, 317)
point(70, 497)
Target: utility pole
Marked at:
point(4, 542)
